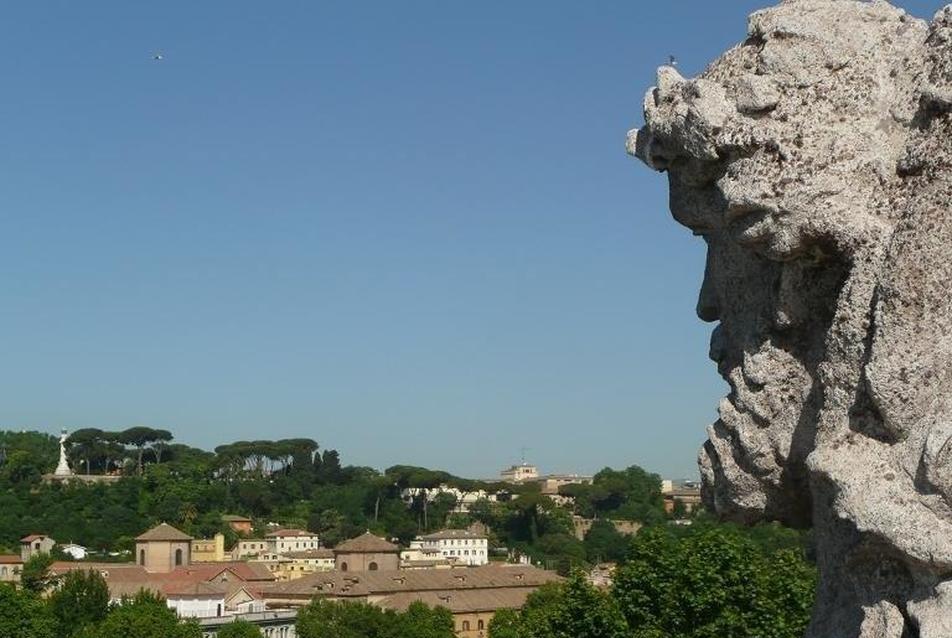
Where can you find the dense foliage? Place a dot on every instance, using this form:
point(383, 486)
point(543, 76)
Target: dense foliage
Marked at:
point(80, 600)
point(294, 483)
point(239, 629)
point(144, 616)
point(573, 609)
point(330, 619)
point(24, 615)
point(701, 581)
point(79, 608)
point(630, 494)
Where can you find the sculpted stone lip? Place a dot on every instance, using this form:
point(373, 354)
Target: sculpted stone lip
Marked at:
point(739, 209)
point(750, 226)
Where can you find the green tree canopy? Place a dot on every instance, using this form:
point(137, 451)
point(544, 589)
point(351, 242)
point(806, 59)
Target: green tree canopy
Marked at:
point(710, 582)
point(330, 619)
point(573, 609)
point(24, 615)
point(35, 576)
point(143, 616)
point(81, 600)
point(239, 629)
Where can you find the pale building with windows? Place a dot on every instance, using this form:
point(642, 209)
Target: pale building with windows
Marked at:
point(292, 540)
point(10, 568)
point(307, 562)
point(464, 500)
point(465, 547)
point(250, 547)
point(35, 544)
point(519, 473)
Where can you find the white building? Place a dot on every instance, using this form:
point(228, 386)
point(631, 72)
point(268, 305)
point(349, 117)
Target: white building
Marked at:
point(285, 541)
point(520, 473)
point(464, 500)
point(197, 600)
point(463, 546)
point(77, 552)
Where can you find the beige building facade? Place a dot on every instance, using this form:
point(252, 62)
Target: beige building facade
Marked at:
point(10, 568)
point(35, 544)
point(366, 553)
point(163, 548)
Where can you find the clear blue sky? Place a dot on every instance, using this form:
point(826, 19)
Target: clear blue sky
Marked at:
point(406, 229)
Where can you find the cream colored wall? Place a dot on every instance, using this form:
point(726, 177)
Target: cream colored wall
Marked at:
point(160, 555)
point(10, 573)
point(473, 618)
point(361, 562)
point(42, 546)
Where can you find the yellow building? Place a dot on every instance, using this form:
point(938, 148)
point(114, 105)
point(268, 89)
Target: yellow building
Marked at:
point(307, 562)
point(209, 550)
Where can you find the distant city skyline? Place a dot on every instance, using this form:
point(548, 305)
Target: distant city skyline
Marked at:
point(408, 232)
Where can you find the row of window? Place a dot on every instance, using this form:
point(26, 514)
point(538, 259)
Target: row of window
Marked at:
point(480, 625)
point(465, 552)
point(298, 545)
point(468, 541)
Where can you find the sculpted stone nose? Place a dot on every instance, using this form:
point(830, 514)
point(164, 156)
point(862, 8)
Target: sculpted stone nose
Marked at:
point(708, 308)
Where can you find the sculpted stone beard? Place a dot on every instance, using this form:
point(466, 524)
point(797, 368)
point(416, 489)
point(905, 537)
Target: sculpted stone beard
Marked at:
point(814, 161)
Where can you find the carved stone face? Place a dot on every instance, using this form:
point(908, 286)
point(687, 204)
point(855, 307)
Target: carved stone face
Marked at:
point(815, 160)
point(785, 205)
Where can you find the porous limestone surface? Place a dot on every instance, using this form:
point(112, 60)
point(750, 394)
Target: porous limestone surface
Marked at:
point(814, 160)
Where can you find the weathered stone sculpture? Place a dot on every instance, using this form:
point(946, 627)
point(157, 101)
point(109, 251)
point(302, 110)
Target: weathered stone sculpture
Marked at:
point(814, 159)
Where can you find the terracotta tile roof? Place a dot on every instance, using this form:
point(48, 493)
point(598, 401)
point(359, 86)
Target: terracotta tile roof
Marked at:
point(312, 553)
point(460, 602)
point(244, 570)
point(362, 584)
point(33, 537)
point(163, 532)
point(125, 572)
point(127, 579)
point(10, 559)
point(233, 518)
point(366, 543)
point(289, 533)
point(194, 590)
